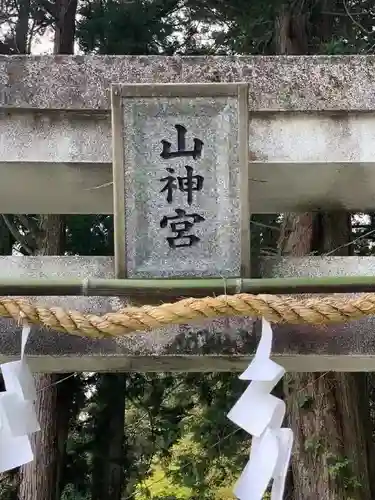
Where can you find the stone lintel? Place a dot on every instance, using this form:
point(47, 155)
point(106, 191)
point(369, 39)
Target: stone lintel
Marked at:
point(278, 83)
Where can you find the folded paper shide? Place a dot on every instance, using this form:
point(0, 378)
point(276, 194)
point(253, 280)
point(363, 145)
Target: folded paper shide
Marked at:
point(18, 418)
point(261, 414)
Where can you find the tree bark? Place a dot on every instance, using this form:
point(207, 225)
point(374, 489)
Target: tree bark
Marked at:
point(40, 479)
point(6, 239)
point(329, 413)
point(65, 26)
point(8, 480)
point(109, 454)
point(22, 26)
point(290, 31)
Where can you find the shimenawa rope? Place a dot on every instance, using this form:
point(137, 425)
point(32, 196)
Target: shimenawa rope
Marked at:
point(277, 309)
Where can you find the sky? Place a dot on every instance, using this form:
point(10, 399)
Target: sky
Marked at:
point(43, 45)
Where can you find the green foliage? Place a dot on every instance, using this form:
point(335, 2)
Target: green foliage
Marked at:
point(70, 493)
point(209, 454)
point(159, 486)
point(8, 486)
point(89, 235)
point(138, 27)
point(305, 401)
point(314, 445)
point(341, 468)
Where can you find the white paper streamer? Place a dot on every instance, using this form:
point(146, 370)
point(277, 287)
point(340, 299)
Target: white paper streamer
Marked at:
point(14, 451)
point(261, 414)
point(17, 413)
point(16, 374)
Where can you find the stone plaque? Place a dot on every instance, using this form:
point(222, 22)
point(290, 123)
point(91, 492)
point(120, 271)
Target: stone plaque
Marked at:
point(180, 180)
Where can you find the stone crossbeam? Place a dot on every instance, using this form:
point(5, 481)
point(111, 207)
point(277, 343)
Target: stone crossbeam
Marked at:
point(219, 345)
point(311, 128)
point(302, 83)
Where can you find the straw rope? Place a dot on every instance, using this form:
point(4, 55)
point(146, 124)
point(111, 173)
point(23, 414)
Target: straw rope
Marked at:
point(277, 309)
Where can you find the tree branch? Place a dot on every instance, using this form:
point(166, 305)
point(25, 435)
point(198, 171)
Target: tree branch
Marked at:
point(31, 225)
point(49, 7)
point(20, 238)
point(350, 15)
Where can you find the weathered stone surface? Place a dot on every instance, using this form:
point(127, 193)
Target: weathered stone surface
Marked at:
point(294, 138)
point(55, 136)
point(298, 161)
point(277, 83)
point(55, 128)
point(55, 117)
point(349, 341)
point(222, 345)
point(199, 347)
point(182, 213)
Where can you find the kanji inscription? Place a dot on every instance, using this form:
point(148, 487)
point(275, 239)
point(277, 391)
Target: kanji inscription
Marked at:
point(182, 186)
point(183, 223)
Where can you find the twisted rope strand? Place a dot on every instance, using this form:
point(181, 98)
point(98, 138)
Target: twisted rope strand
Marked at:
point(284, 309)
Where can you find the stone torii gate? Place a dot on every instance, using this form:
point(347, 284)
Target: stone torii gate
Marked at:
point(306, 127)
